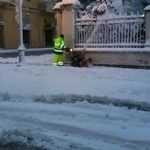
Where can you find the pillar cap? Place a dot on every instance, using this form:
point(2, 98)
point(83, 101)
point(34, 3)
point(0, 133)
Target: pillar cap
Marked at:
point(68, 2)
point(57, 6)
point(147, 7)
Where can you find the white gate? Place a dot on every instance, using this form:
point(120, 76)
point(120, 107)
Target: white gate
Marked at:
point(116, 32)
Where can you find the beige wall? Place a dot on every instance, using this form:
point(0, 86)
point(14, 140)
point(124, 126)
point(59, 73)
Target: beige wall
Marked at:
point(33, 3)
point(10, 28)
point(68, 24)
point(37, 19)
point(140, 59)
point(36, 25)
point(58, 16)
point(65, 23)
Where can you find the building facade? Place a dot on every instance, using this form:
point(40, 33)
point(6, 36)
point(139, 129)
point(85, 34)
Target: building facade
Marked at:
point(38, 24)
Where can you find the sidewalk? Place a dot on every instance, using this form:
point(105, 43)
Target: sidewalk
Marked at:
point(30, 51)
point(120, 86)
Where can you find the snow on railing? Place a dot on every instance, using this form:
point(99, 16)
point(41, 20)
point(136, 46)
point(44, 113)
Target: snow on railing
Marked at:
point(110, 32)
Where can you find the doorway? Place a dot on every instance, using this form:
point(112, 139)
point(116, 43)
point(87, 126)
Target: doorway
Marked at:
point(1, 37)
point(49, 34)
point(26, 38)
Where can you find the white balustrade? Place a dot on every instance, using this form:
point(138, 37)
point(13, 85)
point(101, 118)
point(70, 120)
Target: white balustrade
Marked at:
point(117, 32)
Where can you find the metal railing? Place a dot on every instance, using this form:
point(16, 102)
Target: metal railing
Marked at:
point(115, 32)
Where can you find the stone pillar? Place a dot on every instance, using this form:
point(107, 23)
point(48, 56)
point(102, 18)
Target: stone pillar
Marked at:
point(58, 17)
point(147, 25)
point(68, 24)
point(64, 13)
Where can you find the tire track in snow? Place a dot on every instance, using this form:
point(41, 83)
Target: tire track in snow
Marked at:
point(28, 120)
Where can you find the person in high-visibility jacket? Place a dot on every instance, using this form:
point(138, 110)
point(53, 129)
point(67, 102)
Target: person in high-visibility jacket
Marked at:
point(59, 48)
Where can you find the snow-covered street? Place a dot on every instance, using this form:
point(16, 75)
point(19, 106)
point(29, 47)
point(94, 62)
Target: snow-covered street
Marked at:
point(79, 126)
point(60, 108)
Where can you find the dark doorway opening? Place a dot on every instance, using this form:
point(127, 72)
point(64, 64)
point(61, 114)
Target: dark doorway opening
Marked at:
point(26, 38)
point(49, 34)
point(1, 37)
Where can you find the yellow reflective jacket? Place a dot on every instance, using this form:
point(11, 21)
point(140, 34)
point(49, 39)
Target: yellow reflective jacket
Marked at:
point(59, 45)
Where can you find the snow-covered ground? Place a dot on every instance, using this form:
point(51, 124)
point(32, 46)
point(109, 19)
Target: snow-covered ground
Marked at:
point(61, 107)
